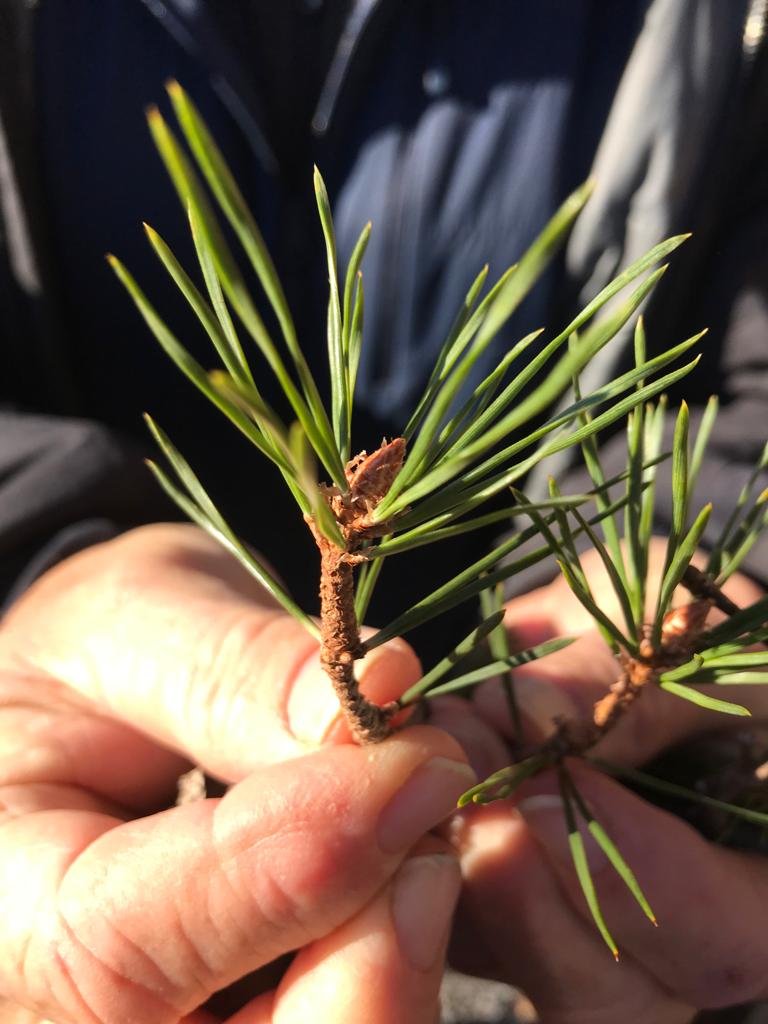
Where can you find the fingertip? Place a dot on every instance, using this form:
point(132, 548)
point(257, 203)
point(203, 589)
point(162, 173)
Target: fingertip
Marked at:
point(387, 671)
point(386, 963)
point(425, 892)
point(313, 709)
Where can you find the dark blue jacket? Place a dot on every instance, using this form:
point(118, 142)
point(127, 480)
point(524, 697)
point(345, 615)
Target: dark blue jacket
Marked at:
point(455, 126)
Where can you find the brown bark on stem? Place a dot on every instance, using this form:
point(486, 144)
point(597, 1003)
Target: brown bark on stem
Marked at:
point(680, 629)
point(340, 645)
point(369, 478)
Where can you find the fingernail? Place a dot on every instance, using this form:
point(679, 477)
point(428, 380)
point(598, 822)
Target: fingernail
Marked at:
point(312, 706)
point(544, 814)
point(428, 796)
point(424, 898)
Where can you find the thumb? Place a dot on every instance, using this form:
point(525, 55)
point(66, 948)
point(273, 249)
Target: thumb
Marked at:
point(165, 631)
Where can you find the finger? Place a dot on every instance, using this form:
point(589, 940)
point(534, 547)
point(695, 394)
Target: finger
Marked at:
point(555, 607)
point(484, 747)
point(562, 685)
point(145, 920)
point(537, 941)
point(48, 742)
point(545, 612)
point(384, 965)
point(160, 629)
point(710, 902)
point(568, 683)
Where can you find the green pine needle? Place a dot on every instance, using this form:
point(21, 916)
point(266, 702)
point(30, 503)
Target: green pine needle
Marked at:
point(341, 414)
point(678, 562)
point(462, 650)
point(188, 365)
point(702, 440)
point(740, 623)
point(492, 600)
point(220, 180)
point(471, 582)
point(461, 333)
point(581, 865)
point(673, 789)
point(576, 844)
point(702, 699)
point(608, 847)
point(493, 668)
point(198, 506)
point(502, 783)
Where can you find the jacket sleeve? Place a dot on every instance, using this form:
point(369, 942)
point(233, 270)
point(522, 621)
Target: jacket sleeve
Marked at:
point(723, 284)
point(64, 484)
point(731, 295)
point(741, 430)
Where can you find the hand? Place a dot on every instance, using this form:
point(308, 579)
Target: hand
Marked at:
point(523, 912)
point(120, 668)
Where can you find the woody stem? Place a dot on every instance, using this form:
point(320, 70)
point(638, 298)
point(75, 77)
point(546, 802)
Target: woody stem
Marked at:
point(340, 645)
point(574, 737)
point(680, 629)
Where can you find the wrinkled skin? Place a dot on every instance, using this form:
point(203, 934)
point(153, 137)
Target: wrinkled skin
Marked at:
point(118, 670)
point(131, 661)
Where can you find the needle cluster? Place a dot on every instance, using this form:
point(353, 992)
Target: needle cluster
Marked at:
point(466, 443)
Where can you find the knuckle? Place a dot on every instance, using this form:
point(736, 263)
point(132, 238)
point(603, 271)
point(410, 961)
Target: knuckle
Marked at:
point(93, 969)
point(225, 661)
point(275, 901)
point(734, 981)
point(285, 882)
point(279, 900)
